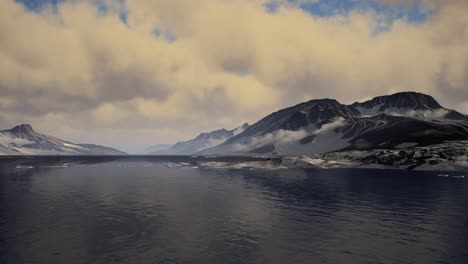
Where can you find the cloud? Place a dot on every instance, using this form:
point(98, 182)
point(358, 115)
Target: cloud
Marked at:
point(426, 114)
point(337, 123)
point(217, 64)
point(281, 137)
point(108, 114)
point(278, 137)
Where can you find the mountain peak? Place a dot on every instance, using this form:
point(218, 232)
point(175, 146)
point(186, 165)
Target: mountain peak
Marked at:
point(411, 95)
point(23, 126)
point(404, 100)
point(407, 93)
point(23, 129)
point(323, 101)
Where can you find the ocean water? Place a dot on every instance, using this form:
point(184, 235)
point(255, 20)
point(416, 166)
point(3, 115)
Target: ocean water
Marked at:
point(170, 210)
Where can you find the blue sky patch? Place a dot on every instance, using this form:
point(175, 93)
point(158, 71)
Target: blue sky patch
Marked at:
point(322, 8)
point(326, 8)
point(38, 4)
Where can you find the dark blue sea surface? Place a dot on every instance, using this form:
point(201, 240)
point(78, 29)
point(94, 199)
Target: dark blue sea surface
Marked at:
point(166, 210)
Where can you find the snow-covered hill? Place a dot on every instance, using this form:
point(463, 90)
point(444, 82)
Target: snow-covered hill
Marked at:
point(23, 140)
point(325, 125)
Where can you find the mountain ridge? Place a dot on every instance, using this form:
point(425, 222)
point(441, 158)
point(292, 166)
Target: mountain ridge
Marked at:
point(315, 126)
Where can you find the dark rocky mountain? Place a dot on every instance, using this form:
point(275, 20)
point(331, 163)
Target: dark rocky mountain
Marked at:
point(23, 140)
point(325, 125)
point(407, 103)
point(386, 131)
point(403, 100)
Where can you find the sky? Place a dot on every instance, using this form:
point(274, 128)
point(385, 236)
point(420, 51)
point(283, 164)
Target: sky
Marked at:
point(130, 74)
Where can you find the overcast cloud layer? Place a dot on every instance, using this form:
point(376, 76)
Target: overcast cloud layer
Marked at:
point(134, 73)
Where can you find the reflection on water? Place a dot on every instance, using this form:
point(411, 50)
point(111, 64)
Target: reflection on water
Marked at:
point(151, 210)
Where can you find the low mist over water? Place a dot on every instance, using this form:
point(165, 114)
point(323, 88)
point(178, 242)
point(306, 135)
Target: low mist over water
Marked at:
point(168, 210)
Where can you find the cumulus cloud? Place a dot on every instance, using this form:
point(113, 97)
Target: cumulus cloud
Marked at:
point(173, 68)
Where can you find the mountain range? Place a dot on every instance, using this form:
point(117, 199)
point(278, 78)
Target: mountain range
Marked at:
point(23, 140)
point(325, 125)
point(401, 120)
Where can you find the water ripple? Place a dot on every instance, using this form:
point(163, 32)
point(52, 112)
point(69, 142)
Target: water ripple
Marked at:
point(164, 211)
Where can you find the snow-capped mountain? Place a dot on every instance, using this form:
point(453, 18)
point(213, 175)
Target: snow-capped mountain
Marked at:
point(201, 142)
point(23, 140)
point(318, 126)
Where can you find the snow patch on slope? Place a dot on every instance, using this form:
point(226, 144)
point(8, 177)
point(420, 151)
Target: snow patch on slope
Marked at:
point(72, 146)
point(368, 112)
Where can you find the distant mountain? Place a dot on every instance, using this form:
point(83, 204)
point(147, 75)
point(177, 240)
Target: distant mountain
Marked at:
point(201, 142)
point(23, 140)
point(156, 148)
point(325, 125)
